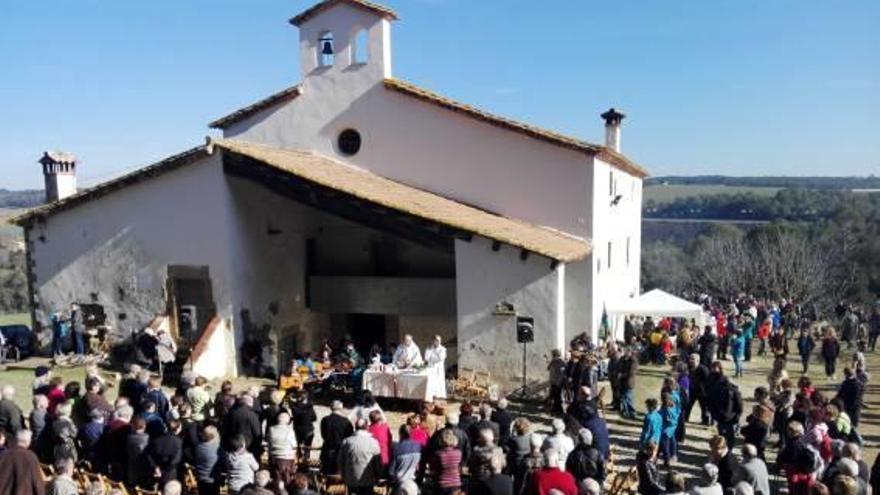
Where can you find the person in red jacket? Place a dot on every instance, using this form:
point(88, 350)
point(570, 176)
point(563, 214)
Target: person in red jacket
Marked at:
point(763, 335)
point(382, 433)
point(550, 477)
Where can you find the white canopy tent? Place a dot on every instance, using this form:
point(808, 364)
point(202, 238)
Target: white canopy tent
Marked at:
point(655, 303)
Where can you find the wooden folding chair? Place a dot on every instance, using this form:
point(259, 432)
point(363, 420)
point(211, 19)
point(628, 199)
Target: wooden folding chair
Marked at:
point(115, 485)
point(332, 484)
point(464, 381)
point(47, 471)
point(481, 384)
point(190, 482)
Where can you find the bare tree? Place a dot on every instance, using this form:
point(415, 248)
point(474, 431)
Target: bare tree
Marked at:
point(773, 262)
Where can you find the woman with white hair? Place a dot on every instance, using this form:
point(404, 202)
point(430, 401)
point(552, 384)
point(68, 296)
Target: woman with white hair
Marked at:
point(708, 482)
point(585, 461)
point(65, 432)
point(562, 443)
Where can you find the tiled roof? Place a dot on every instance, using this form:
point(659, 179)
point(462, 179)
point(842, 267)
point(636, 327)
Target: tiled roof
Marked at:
point(242, 113)
point(320, 7)
point(58, 157)
point(379, 190)
point(606, 154)
point(159, 168)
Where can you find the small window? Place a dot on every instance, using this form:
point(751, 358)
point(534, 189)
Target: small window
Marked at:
point(326, 49)
point(609, 255)
point(627, 251)
point(360, 49)
point(611, 184)
point(349, 142)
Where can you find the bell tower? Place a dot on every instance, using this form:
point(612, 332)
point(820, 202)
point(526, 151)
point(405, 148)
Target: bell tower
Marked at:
point(345, 36)
point(59, 174)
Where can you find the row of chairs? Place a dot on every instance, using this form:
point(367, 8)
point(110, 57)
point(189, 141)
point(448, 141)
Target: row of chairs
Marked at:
point(84, 478)
point(472, 384)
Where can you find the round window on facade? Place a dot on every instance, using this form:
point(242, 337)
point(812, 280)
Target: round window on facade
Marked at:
point(349, 142)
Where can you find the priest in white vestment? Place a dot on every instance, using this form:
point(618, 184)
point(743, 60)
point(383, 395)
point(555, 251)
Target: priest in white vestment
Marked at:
point(435, 358)
point(407, 354)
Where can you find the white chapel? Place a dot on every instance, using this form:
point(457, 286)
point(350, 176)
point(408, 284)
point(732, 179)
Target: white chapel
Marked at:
point(352, 204)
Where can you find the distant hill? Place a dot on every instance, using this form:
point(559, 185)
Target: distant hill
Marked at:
point(27, 198)
point(869, 182)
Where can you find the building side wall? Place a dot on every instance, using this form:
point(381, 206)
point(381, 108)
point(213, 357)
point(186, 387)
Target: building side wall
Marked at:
point(617, 224)
point(435, 149)
point(115, 249)
point(487, 341)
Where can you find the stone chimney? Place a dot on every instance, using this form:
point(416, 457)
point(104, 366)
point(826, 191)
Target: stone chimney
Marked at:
point(613, 119)
point(59, 173)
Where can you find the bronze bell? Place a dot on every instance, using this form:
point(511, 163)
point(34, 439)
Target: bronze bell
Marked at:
point(327, 48)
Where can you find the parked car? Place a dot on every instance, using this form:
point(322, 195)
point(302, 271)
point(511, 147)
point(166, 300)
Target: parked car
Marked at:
point(19, 341)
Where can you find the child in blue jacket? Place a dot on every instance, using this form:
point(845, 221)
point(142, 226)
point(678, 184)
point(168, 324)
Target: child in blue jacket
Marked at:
point(653, 425)
point(669, 415)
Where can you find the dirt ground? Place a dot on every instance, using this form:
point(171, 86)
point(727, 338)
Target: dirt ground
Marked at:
point(624, 433)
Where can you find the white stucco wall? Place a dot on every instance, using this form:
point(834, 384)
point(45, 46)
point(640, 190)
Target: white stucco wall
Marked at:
point(462, 158)
point(615, 224)
point(219, 359)
point(60, 185)
point(115, 249)
point(488, 342)
point(418, 143)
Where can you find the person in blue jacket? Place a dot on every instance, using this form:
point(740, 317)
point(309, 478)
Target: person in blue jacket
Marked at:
point(669, 414)
point(738, 351)
point(653, 425)
point(60, 333)
point(805, 345)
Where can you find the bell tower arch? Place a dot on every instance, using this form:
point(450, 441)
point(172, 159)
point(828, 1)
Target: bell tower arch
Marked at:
point(337, 36)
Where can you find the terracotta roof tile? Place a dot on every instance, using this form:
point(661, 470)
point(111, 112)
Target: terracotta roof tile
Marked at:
point(243, 113)
point(379, 190)
point(606, 154)
point(158, 168)
point(320, 7)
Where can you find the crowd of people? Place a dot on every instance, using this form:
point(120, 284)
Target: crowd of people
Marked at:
point(257, 443)
point(814, 433)
point(262, 441)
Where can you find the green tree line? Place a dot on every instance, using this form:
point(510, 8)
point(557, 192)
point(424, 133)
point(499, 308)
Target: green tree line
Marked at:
point(787, 204)
point(820, 247)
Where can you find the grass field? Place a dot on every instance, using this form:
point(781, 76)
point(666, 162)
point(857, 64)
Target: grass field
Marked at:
point(666, 194)
point(7, 229)
point(15, 318)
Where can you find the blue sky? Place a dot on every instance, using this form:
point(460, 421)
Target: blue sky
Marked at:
point(752, 87)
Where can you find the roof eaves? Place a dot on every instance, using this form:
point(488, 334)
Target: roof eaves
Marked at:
point(268, 102)
point(168, 164)
point(316, 9)
point(327, 172)
point(614, 158)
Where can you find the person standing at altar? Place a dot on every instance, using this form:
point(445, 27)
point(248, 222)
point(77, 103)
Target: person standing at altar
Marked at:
point(407, 354)
point(435, 358)
point(435, 354)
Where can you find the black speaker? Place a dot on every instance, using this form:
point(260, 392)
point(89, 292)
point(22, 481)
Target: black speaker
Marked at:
point(525, 329)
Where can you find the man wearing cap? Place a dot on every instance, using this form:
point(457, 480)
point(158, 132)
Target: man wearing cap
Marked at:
point(42, 376)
